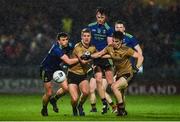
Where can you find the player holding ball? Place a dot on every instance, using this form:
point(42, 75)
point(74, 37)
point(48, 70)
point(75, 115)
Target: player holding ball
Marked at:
point(51, 63)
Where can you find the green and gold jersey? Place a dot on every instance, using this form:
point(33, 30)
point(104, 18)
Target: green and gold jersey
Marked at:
point(80, 68)
point(120, 59)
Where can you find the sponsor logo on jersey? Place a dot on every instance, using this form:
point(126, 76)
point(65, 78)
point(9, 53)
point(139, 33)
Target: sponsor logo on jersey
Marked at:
point(94, 30)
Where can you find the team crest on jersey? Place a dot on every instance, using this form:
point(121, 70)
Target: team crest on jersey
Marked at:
point(123, 42)
point(98, 30)
point(104, 31)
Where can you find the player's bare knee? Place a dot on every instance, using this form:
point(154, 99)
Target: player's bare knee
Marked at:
point(114, 87)
point(92, 91)
point(74, 99)
point(99, 80)
point(65, 89)
point(98, 77)
point(85, 93)
point(109, 79)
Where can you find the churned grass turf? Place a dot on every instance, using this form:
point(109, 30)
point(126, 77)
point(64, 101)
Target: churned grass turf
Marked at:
point(140, 108)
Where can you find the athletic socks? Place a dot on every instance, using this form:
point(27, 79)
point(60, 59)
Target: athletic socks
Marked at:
point(56, 97)
point(44, 106)
point(80, 104)
point(104, 101)
point(121, 109)
point(121, 106)
point(93, 105)
point(105, 106)
point(75, 113)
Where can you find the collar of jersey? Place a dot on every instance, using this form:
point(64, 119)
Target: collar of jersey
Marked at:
point(84, 46)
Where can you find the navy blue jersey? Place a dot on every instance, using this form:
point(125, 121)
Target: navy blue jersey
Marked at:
point(130, 41)
point(68, 51)
point(52, 61)
point(100, 34)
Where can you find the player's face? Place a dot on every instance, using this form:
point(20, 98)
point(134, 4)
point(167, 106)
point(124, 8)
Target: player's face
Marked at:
point(63, 41)
point(101, 18)
point(86, 38)
point(119, 27)
point(116, 43)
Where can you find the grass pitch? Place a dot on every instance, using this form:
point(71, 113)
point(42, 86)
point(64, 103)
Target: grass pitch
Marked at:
point(27, 108)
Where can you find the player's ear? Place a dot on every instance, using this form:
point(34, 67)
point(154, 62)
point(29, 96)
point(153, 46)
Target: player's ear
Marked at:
point(121, 41)
point(96, 16)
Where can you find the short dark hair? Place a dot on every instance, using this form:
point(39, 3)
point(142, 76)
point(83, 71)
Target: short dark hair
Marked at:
point(118, 35)
point(120, 22)
point(101, 10)
point(62, 34)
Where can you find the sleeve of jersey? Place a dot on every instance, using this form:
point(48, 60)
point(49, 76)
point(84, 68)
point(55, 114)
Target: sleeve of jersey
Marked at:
point(110, 32)
point(94, 49)
point(58, 52)
point(134, 41)
point(88, 26)
point(130, 52)
point(107, 50)
point(77, 51)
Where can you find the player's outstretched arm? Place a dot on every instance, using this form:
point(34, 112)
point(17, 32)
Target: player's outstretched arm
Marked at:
point(106, 56)
point(109, 40)
point(98, 54)
point(140, 59)
point(68, 60)
point(138, 49)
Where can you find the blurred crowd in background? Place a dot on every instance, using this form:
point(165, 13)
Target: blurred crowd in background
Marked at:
point(29, 27)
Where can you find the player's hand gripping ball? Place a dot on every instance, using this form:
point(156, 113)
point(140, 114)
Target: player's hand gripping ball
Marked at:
point(59, 76)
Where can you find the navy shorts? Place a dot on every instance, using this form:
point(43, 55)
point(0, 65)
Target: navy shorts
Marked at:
point(46, 76)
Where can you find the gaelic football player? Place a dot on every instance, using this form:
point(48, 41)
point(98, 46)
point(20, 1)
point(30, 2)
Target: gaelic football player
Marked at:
point(49, 65)
point(77, 74)
point(101, 37)
point(120, 54)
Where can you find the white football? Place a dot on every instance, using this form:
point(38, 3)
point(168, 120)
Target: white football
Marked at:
point(59, 76)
